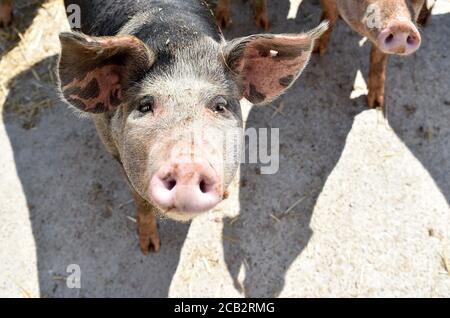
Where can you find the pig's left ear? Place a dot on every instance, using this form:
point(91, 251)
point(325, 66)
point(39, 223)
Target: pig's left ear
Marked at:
point(268, 64)
point(95, 71)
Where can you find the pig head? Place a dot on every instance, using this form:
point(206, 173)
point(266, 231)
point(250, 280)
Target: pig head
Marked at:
point(170, 112)
point(390, 25)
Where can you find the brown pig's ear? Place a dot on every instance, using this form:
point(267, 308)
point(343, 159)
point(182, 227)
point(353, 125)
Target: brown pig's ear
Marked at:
point(268, 64)
point(94, 71)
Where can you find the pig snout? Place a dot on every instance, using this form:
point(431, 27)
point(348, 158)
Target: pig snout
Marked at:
point(399, 37)
point(187, 185)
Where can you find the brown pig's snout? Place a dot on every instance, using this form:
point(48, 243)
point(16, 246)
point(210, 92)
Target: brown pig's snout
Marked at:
point(399, 37)
point(186, 184)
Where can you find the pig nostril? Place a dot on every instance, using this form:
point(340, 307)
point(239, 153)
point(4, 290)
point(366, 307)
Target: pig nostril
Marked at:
point(410, 40)
point(170, 183)
point(389, 39)
point(203, 186)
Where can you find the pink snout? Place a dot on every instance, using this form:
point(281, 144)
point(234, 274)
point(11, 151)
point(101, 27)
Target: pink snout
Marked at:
point(186, 184)
point(399, 37)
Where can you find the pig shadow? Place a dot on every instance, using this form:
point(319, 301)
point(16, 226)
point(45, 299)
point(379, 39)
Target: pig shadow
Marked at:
point(273, 227)
point(78, 200)
point(24, 13)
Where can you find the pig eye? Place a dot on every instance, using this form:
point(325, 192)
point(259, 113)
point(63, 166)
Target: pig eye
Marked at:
point(146, 104)
point(219, 105)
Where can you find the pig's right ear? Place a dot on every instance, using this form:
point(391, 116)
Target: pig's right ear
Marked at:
point(268, 64)
point(95, 71)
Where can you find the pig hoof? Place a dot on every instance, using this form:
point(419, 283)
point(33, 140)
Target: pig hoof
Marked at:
point(150, 244)
point(223, 18)
point(375, 100)
point(262, 21)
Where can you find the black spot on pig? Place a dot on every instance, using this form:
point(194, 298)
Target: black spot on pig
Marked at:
point(92, 90)
point(286, 81)
point(100, 108)
point(114, 99)
point(77, 103)
point(72, 91)
point(256, 96)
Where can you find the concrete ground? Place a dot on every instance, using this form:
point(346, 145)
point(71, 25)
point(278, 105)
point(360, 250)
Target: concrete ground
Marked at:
point(360, 206)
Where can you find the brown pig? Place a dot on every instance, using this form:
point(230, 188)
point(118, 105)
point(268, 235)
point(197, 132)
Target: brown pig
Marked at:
point(223, 13)
point(390, 25)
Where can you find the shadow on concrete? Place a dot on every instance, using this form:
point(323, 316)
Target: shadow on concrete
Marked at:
point(419, 101)
point(78, 200)
point(317, 117)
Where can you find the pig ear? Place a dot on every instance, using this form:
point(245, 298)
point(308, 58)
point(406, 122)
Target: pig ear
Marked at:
point(269, 64)
point(95, 71)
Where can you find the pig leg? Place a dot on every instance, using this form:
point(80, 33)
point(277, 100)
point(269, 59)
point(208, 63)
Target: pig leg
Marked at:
point(329, 12)
point(147, 226)
point(377, 77)
point(5, 13)
point(223, 13)
point(261, 16)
